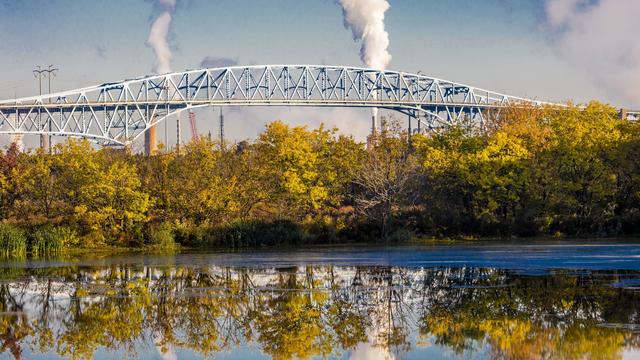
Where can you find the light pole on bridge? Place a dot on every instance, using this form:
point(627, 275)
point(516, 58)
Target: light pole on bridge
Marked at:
point(49, 72)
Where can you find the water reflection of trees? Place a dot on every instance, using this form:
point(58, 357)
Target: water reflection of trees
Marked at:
point(315, 311)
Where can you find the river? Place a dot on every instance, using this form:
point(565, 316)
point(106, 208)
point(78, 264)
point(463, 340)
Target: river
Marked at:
point(476, 300)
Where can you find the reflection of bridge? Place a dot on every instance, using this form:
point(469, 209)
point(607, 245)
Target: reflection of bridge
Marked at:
point(118, 113)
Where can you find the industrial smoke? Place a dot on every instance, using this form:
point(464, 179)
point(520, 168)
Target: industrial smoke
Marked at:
point(158, 37)
point(158, 41)
point(365, 19)
point(598, 36)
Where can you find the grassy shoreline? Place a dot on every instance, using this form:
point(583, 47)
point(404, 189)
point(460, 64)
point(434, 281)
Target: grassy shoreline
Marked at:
point(110, 250)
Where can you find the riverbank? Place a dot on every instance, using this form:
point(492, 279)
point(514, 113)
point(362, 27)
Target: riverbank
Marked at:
point(535, 172)
point(63, 243)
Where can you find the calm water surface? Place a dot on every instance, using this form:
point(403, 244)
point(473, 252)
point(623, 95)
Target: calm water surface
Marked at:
point(476, 301)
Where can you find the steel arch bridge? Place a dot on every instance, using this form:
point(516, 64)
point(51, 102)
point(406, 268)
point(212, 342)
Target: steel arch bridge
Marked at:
point(118, 113)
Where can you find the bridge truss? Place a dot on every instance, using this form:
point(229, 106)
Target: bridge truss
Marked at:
point(118, 113)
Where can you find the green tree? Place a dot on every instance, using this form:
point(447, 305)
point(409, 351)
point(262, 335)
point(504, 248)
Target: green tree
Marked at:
point(309, 169)
point(583, 177)
point(8, 193)
point(498, 176)
point(446, 197)
point(39, 186)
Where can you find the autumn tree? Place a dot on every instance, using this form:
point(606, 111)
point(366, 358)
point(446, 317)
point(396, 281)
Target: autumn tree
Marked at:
point(309, 169)
point(387, 178)
point(37, 181)
point(584, 181)
point(446, 197)
point(8, 191)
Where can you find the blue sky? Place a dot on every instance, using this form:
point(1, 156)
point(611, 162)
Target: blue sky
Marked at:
point(496, 44)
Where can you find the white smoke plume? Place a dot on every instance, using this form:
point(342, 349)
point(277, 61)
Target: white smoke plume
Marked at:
point(158, 37)
point(171, 4)
point(600, 36)
point(365, 18)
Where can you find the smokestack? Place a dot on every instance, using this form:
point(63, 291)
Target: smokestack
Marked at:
point(221, 129)
point(374, 121)
point(178, 134)
point(45, 143)
point(372, 140)
point(150, 143)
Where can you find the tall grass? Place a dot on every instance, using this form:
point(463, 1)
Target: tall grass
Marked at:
point(13, 242)
point(48, 240)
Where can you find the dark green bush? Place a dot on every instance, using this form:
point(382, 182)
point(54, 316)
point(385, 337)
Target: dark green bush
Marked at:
point(160, 236)
point(400, 236)
point(321, 231)
point(13, 242)
point(255, 233)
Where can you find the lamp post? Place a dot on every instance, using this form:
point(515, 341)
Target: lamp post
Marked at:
point(39, 73)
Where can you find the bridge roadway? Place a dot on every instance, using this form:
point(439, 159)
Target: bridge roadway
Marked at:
point(118, 113)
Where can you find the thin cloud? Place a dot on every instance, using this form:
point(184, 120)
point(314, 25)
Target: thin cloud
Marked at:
point(217, 62)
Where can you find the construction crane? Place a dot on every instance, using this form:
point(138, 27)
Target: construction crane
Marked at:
point(194, 128)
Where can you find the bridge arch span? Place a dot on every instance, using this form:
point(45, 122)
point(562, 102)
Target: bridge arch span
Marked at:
point(120, 112)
